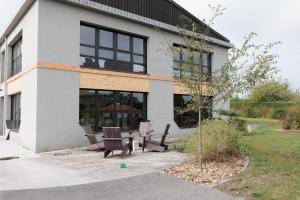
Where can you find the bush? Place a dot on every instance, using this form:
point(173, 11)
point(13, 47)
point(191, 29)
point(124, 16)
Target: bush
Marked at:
point(220, 141)
point(292, 118)
point(278, 112)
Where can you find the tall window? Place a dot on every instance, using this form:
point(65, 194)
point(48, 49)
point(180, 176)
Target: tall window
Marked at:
point(187, 119)
point(106, 49)
point(109, 108)
point(15, 110)
point(16, 65)
point(2, 66)
point(181, 58)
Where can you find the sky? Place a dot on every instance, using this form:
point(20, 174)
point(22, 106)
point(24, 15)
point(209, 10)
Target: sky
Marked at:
point(272, 20)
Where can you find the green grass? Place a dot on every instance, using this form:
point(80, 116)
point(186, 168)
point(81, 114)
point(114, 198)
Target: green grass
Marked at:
point(274, 171)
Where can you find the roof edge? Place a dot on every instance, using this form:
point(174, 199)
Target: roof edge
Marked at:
point(17, 18)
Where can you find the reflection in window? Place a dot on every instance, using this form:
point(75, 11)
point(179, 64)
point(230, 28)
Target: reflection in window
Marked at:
point(187, 119)
point(108, 108)
point(115, 51)
point(16, 65)
point(181, 57)
point(123, 42)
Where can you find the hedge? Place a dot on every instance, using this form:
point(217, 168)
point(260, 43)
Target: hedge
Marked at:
point(253, 109)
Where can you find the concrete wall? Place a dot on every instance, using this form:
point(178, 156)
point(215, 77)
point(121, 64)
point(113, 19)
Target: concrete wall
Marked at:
point(58, 110)
point(1, 115)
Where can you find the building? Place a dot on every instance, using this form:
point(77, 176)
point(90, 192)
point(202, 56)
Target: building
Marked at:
point(97, 61)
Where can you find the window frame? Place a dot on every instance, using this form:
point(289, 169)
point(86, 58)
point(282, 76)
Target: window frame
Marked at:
point(181, 61)
point(15, 110)
point(114, 111)
point(179, 117)
point(115, 49)
point(18, 58)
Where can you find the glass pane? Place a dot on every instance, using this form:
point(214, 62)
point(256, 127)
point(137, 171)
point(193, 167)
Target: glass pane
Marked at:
point(184, 55)
point(138, 101)
point(87, 100)
point(123, 56)
point(88, 51)
point(205, 58)
point(87, 35)
point(176, 55)
point(123, 42)
point(138, 68)
point(176, 73)
point(138, 45)
point(88, 62)
point(106, 119)
point(136, 119)
point(106, 54)
point(87, 118)
point(106, 39)
point(138, 59)
point(123, 101)
point(105, 100)
point(196, 58)
point(123, 121)
point(176, 65)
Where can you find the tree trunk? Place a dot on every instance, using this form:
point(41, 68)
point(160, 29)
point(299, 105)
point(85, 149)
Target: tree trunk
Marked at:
point(199, 154)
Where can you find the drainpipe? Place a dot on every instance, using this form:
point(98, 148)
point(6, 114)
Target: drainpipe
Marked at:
point(5, 87)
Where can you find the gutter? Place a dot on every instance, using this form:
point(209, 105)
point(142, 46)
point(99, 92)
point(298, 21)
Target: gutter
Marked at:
point(20, 14)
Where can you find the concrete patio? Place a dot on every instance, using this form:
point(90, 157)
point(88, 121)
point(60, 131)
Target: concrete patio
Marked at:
point(74, 167)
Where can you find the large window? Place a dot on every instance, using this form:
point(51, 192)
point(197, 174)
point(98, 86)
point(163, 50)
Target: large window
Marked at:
point(181, 57)
point(187, 119)
point(15, 111)
point(106, 49)
point(16, 65)
point(109, 108)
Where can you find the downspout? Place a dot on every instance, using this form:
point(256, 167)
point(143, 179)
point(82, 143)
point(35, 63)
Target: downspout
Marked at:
point(5, 87)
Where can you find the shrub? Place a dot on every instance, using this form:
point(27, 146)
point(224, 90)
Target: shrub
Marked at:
point(292, 117)
point(220, 140)
point(278, 112)
point(251, 112)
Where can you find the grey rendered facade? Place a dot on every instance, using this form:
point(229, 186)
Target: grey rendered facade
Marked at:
point(51, 76)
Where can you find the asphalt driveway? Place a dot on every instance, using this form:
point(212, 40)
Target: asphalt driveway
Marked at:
point(143, 187)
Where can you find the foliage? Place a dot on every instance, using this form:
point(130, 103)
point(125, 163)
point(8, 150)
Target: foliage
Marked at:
point(234, 118)
point(247, 66)
point(292, 118)
point(272, 91)
point(220, 140)
point(254, 109)
point(274, 169)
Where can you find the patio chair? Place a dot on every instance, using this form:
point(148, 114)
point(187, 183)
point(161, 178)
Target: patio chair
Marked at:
point(95, 145)
point(156, 146)
point(114, 141)
point(144, 132)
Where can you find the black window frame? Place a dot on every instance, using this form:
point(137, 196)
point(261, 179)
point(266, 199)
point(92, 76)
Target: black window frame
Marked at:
point(179, 118)
point(181, 61)
point(16, 60)
point(129, 65)
point(15, 110)
point(114, 111)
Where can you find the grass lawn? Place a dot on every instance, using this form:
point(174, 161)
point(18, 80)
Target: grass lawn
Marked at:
point(274, 171)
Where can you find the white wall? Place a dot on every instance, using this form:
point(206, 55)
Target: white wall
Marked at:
point(58, 111)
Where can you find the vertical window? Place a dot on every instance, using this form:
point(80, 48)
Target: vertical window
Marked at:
point(15, 110)
point(114, 50)
point(180, 58)
point(88, 46)
point(2, 66)
point(16, 65)
point(109, 108)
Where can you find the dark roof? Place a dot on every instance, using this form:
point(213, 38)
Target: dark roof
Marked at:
point(166, 11)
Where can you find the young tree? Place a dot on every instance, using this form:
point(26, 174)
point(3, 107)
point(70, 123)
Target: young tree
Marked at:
point(245, 67)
